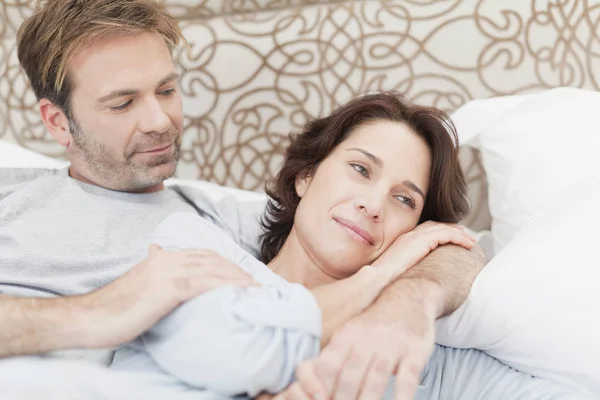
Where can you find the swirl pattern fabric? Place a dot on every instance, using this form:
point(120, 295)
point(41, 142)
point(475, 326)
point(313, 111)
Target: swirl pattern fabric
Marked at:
point(256, 70)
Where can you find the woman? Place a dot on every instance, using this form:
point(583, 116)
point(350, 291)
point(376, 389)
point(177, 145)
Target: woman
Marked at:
point(355, 184)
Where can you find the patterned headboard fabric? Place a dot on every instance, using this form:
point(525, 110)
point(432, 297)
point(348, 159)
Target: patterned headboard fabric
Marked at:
point(256, 70)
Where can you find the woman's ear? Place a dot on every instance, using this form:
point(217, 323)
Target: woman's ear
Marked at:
point(302, 183)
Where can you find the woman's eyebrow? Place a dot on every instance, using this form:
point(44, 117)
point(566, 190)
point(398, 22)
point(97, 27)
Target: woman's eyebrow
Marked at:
point(413, 187)
point(378, 161)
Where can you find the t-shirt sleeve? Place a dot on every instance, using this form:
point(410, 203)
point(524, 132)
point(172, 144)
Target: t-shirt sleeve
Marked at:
point(242, 218)
point(186, 231)
point(233, 340)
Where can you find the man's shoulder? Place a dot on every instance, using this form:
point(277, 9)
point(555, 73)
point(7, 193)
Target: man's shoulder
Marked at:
point(12, 179)
point(16, 176)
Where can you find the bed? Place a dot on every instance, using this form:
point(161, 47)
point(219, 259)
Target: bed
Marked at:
point(254, 71)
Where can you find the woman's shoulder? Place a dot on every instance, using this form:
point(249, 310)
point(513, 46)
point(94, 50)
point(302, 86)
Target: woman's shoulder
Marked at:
point(183, 231)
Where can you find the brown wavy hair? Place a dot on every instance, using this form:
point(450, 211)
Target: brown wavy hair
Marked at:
point(446, 198)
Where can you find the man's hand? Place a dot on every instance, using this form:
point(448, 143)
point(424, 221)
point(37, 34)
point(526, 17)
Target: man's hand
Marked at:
point(122, 310)
point(395, 335)
point(364, 353)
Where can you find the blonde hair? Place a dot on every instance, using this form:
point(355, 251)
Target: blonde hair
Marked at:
point(59, 30)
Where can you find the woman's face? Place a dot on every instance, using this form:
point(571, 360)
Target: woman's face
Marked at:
point(365, 194)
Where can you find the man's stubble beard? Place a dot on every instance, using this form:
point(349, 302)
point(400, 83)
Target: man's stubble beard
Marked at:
point(123, 173)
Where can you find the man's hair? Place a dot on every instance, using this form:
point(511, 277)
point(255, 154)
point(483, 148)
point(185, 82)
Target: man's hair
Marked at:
point(446, 199)
point(59, 30)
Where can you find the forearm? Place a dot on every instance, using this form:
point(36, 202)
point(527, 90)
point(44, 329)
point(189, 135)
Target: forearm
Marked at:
point(38, 325)
point(440, 282)
point(342, 300)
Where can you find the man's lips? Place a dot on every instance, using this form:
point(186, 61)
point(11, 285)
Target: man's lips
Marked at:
point(159, 149)
point(356, 229)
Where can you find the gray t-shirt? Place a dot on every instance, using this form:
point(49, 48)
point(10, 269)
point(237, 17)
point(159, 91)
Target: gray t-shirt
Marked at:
point(63, 237)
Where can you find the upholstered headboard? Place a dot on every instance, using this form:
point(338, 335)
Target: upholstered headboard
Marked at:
point(257, 69)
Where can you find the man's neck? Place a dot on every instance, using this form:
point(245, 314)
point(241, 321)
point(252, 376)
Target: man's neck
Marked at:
point(82, 178)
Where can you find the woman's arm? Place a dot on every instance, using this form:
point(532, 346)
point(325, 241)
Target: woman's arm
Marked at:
point(344, 299)
point(247, 340)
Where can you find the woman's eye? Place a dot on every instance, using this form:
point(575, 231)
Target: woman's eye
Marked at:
point(361, 170)
point(121, 107)
point(408, 201)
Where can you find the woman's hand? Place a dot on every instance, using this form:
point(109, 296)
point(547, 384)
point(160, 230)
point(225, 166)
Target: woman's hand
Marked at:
point(413, 246)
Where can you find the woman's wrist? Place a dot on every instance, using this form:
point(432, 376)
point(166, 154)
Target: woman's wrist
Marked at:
point(372, 280)
point(392, 270)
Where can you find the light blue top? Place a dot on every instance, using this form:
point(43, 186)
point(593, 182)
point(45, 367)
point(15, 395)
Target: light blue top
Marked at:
point(242, 341)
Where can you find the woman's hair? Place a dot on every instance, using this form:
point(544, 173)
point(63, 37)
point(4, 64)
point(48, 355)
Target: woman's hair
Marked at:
point(446, 199)
point(58, 30)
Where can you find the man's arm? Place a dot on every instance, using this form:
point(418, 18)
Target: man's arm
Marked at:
point(402, 319)
point(442, 281)
point(116, 313)
point(37, 325)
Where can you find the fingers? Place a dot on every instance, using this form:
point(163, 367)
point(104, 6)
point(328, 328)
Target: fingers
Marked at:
point(377, 379)
point(294, 392)
point(264, 396)
point(352, 375)
point(439, 234)
point(329, 365)
point(455, 237)
point(432, 226)
point(407, 380)
point(310, 382)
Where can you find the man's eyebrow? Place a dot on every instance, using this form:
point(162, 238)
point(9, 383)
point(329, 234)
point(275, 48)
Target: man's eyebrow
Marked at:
point(117, 93)
point(130, 92)
point(378, 161)
point(171, 77)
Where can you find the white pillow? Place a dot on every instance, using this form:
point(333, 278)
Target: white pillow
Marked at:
point(477, 115)
point(14, 156)
point(534, 148)
point(535, 306)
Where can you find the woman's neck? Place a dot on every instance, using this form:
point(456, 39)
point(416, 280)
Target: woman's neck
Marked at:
point(294, 264)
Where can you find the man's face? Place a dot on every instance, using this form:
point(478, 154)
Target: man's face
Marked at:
point(127, 117)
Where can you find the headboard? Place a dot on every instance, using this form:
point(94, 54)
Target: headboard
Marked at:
point(255, 70)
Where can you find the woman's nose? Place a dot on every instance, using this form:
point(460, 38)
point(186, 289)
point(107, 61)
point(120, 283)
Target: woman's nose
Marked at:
point(371, 207)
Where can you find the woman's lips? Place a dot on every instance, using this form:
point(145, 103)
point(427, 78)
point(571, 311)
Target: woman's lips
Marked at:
point(355, 229)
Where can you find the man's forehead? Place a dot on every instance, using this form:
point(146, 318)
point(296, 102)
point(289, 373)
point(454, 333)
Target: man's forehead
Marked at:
point(140, 61)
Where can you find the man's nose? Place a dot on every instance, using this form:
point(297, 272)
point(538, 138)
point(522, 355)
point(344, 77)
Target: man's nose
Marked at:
point(155, 119)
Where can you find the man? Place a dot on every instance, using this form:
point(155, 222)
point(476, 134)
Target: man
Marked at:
point(103, 73)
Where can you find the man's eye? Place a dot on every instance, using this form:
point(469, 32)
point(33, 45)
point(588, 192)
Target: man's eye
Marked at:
point(121, 107)
point(168, 92)
point(361, 170)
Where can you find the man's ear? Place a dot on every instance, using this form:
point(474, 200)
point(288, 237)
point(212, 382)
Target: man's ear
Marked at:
point(56, 122)
point(302, 183)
